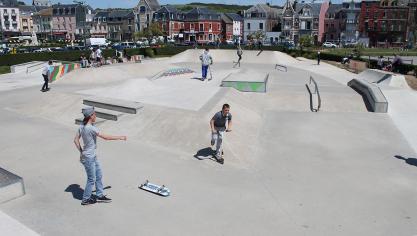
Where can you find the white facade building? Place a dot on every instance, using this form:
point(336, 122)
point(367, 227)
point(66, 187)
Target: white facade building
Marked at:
point(10, 20)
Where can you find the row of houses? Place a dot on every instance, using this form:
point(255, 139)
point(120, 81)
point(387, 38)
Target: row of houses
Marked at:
point(377, 23)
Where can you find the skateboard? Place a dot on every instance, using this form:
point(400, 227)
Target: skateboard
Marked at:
point(154, 188)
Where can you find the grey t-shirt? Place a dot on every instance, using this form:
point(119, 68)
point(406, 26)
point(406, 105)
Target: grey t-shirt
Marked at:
point(220, 120)
point(89, 136)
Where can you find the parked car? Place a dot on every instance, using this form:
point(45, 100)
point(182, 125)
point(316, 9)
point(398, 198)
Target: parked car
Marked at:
point(329, 45)
point(57, 49)
point(43, 50)
point(229, 42)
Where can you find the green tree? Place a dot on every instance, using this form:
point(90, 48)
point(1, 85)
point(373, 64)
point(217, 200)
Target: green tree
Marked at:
point(257, 35)
point(306, 41)
point(152, 31)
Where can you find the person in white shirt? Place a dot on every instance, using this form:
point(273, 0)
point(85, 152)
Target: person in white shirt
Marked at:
point(45, 74)
point(99, 56)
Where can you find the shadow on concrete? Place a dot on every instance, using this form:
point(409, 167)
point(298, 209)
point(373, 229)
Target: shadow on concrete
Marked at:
point(365, 100)
point(410, 161)
point(76, 190)
point(205, 154)
point(197, 78)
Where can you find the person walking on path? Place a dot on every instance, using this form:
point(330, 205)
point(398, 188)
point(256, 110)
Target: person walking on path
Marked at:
point(45, 74)
point(206, 61)
point(396, 63)
point(239, 54)
point(218, 129)
point(318, 57)
point(380, 63)
point(88, 156)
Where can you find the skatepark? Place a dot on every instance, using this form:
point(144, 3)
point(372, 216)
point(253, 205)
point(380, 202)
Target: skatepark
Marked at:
point(343, 170)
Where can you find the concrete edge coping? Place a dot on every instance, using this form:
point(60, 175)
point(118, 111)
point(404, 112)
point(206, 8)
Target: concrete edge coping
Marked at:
point(11, 186)
point(373, 94)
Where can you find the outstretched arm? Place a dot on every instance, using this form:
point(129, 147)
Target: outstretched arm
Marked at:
point(110, 137)
point(229, 126)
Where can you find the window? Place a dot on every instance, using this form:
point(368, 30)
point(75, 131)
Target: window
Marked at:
point(308, 25)
point(210, 27)
point(201, 27)
point(142, 9)
point(261, 26)
point(72, 11)
point(248, 26)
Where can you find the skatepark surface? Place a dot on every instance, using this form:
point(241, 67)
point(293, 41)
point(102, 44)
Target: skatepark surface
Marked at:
point(287, 171)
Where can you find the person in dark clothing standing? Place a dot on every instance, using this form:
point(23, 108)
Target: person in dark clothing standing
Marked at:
point(318, 57)
point(218, 129)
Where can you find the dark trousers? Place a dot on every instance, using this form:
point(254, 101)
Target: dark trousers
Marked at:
point(45, 84)
point(204, 71)
point(318, 61)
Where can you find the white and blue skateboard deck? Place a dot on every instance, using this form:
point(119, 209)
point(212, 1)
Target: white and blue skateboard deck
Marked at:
point(154, 188)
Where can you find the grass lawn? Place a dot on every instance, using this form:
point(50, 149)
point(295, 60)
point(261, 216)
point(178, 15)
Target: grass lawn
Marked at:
point(4, 69)
point(372, 51)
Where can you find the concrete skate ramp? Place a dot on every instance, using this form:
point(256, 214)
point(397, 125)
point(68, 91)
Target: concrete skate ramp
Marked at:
point(247, 81)
point(222, 55)
point(383, 78)
point(184, 94)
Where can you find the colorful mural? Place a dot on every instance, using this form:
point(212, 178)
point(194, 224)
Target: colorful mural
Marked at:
point(56, 72)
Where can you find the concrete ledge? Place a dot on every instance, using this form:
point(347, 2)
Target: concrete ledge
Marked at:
point(99, 121)
point(11, 186)
point(115, 105)
point(108, 114)
point(373, 96)
point(247, 81)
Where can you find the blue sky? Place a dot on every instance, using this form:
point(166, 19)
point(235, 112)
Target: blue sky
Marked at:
point(132, 3)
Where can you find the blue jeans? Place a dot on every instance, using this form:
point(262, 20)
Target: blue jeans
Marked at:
point(204, 71)
point(94, 175)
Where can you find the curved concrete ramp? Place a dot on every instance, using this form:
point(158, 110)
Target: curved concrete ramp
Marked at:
point(249, 56)
point(384, 78)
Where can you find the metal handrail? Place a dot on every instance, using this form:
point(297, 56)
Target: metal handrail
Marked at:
point(316, 91)
point(281, 66)
point(38, 64)
point(41, 63)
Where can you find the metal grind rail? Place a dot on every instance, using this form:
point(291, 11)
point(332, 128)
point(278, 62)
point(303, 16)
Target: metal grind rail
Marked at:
point(39, 65)
point(315, 91)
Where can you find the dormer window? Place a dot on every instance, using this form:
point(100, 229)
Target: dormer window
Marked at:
point(142, 9)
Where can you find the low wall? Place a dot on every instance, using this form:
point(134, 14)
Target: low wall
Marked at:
point(57, 72)
point(357, 65)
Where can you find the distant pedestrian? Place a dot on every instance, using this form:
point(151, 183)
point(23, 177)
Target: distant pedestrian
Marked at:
point(380, 63)
point(239, 53)
point(206, 61)
point(318, 57)
point(45, 75)
point(260, 45)
point(396, 63)
point(99, 56)
point(218, 129)
point(88, 156)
